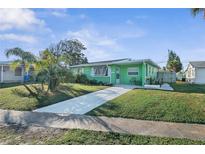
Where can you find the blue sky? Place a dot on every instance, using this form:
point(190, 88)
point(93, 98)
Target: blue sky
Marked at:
point(107, 33)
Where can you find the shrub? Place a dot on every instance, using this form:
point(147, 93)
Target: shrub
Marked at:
point(94, 82)
point(100, 83)
point(134, 81)
point(69, 77)
point(108, 84)
point(82, 78)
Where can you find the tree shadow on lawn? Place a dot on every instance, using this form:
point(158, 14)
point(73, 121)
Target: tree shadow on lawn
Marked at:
point(104, 110)
point(43, 99)
point(45, 120)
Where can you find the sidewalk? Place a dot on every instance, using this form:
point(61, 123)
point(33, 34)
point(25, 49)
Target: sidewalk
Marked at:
point(85, 103)
point(119, 125)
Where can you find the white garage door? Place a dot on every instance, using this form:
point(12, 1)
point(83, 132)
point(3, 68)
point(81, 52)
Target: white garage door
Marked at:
point(200, 75)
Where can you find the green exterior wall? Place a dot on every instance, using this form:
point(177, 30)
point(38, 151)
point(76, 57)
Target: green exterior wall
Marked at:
point(145, 71)
point(125, 78)
point(150, 72)
point(87, 72)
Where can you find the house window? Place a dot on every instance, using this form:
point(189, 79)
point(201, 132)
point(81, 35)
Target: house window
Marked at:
point(18, 71)
point(152, 70)
point(149, 70)
point(146, 70)
point(100, 70)
point(5, 68)
point(133, 71)
point(78, 70)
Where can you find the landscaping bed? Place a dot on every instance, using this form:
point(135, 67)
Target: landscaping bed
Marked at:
point(18, 98)
point(185, 104)
point(39, 135)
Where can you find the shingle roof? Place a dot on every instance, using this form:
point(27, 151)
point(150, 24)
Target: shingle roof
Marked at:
point(198, 63)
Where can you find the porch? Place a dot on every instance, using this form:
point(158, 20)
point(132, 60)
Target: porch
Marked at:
point(8, 75)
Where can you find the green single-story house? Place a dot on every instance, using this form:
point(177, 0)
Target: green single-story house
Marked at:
point(120, 71)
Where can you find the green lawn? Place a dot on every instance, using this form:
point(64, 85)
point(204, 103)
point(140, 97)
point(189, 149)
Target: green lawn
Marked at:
point(18, 98)
point(21, 135)
point(188, 88)
point(185, 104)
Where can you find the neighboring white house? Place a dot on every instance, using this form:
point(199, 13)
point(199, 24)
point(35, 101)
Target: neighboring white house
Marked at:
point(9, 75)
point(195, 72)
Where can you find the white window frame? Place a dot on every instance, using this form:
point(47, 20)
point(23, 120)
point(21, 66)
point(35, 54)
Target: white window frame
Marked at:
point(18, 69)
point(136, 70)
point(96, 75)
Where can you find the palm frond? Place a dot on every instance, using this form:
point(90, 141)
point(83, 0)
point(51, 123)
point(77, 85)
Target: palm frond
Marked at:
point(196, 11)
point(14, 52)
point(15, 64)
point(21, 54)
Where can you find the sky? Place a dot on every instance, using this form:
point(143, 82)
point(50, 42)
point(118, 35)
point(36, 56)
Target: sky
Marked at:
point(107, 33)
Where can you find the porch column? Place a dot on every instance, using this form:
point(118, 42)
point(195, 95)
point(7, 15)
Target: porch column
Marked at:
point(2, 75)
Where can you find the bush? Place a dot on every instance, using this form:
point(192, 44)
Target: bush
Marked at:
point(134, 81)
point(100, 83)
point(94, 82)
point(82, 78)
point(69, 77)
point(108, 84)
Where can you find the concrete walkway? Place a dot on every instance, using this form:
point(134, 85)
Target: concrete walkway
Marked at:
point(119, 125)
point(85, 103)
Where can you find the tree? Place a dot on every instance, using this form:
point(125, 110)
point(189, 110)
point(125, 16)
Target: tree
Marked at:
point(196, 11)
point(69, 51)
point(174, 62)
point(25, 59)
point(50, 71)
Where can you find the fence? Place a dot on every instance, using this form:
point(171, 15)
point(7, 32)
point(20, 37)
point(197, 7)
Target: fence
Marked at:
point(165, 76)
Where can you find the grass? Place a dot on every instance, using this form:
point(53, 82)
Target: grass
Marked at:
point(188, 88)
point(185, 104)
point(18, 98)
point(23, 135)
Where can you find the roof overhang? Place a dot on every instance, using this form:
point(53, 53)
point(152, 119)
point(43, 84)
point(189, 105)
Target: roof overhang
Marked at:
point(5, 62)
point(123, 62)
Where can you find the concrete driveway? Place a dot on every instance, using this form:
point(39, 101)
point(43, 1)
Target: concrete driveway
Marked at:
point(85, 103)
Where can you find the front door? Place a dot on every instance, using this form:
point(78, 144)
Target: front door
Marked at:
point(117, 75)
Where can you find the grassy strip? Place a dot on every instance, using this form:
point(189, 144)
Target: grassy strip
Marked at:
point(178, 106)
point(22, 135)
point(18, 98)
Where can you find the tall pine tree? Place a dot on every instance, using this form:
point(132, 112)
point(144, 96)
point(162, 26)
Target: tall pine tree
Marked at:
point(174, 62)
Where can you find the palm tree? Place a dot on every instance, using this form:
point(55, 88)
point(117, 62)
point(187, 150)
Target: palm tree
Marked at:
point(196, 11)
point(50, 70)
point(25, 59)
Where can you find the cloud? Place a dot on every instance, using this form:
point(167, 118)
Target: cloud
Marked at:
point(98, 45)
point(18, 38)
point(19, 19)
point(129, 22)
point(59, 13)
point(83, 16)
point(93, 37)
point(141, 17)
point(105, 42)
